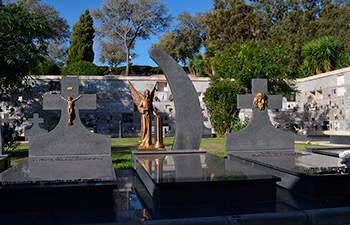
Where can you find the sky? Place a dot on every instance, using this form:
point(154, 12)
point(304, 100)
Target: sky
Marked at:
point(71, 10)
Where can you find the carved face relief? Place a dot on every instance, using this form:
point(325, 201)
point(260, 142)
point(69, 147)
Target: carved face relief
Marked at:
point(260, 101)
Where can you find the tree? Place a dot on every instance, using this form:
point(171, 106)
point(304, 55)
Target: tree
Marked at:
point(60, 31)
point(251, 60)
point(235, 68)
point(59, 26)
point(57, 52)
point(23, 36)
point(231, 21)
point(111, 53)
point(129, 20)
point(291, 23)
point(184, 42)
point(321, 55)
point(81, 41)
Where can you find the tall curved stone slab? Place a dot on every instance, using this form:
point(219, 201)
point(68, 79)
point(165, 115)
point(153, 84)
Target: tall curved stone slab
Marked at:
point(66, 139)
point(189, 118)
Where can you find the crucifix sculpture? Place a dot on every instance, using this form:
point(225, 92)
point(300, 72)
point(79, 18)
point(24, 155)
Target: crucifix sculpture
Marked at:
point(260, 133)
point(70, 107)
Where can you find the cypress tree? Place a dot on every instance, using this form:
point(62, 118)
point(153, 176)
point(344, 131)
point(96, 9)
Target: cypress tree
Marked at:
point(81, 41)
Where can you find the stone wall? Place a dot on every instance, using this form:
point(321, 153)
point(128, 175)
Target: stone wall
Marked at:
point(114, 102)
point(322, 105)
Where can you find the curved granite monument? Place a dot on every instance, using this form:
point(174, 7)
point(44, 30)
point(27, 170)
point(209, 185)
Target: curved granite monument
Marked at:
point(189, 118)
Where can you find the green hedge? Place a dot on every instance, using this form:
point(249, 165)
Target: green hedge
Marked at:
point(82, 68)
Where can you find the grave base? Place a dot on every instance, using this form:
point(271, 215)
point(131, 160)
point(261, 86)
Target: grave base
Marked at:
point(176, 178)
point(5, 162)
point(58, 184)
point(340, 139)
point(314, 175)
point(330, 151)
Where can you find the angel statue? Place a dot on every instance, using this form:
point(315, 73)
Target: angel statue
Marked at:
point(145, 107)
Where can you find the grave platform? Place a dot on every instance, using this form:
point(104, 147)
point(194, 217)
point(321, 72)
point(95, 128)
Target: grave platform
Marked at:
point(5, 162)
point(314, 175)
point(44, 184)
point(185, 177)
point(330, 151)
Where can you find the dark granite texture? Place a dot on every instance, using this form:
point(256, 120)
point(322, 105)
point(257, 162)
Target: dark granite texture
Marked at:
point(35, 130)
point(40, 184)
point(259, 134)
point(184, 179)
point(189, 118)
point(340, 139)
point(330, 151)
point(308, 173)
point(69, 140)
point(5, 120)
point(4, 162)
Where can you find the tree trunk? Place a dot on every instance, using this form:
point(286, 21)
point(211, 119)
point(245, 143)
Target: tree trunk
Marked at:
point(127, 61)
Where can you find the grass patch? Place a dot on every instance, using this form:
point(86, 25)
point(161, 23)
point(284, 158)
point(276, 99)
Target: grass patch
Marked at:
point(122, 147)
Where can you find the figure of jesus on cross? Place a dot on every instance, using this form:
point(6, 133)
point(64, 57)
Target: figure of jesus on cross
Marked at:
point(70, 107)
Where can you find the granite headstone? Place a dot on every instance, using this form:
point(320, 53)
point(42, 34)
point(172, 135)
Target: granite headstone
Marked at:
point(259, 134)
point(67, 139)
point(69, 168)
point(35, 130)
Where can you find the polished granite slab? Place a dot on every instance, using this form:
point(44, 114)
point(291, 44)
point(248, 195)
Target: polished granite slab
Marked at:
point(40, 184)
point(195, 178)
point(312, 174)
point(50, 170)
point(330, 151)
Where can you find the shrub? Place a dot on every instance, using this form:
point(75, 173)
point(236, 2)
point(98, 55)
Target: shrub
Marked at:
point(221, 102)
point(10, 137)
point(45, 68)
point(81, 68)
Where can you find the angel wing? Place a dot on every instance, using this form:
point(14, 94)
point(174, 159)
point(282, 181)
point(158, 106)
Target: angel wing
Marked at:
point(152, 92)
point(152, 98)
point(136, 96)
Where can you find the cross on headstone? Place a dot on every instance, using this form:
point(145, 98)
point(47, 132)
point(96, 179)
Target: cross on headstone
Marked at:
point(259, 134)
point(5, 120)
point(35, 129)
point(69, 88)
point(69, 138)
point(36, 120)
point(259, 85)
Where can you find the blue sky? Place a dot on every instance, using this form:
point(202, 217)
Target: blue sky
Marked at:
point(71, 10)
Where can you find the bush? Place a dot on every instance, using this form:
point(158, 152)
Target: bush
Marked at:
point(10, 137)
point(221, 102)
point(137, 70)
point(45, 68)
point(82, 68)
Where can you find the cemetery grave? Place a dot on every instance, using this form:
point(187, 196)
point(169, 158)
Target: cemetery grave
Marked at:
point(185, 174)
point(69, 168)
point(311, 174)
point(69, 173)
